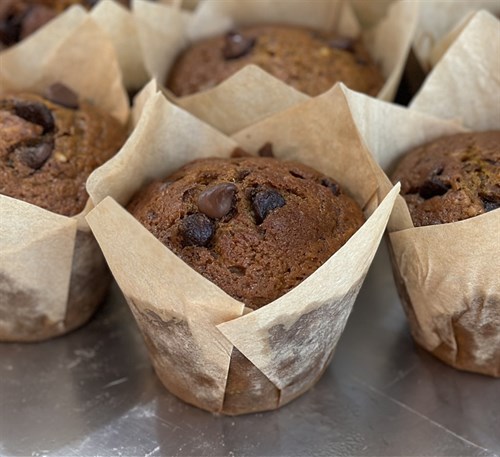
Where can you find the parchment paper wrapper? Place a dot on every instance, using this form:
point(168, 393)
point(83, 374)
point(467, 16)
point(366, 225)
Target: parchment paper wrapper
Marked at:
point(52, 273)
point(119, 25)
point(165, 30)
point(205, 346)
point(447, 274)
point(438, 18)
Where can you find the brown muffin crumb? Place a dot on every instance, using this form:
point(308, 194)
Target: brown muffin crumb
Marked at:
point(452, 178)
point(254, 226)
point(47, 150)
point(308, 60)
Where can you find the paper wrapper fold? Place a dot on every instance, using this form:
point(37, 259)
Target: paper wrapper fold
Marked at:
point(52, 273)
point(439, 17)
point(447, 275)
point(165, 30)
point(205, 346)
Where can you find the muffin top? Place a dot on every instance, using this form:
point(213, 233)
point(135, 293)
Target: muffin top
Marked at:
point(49, 147)
point(452, 178)
point(308, 60)
point(20, 18)
point(254, 226)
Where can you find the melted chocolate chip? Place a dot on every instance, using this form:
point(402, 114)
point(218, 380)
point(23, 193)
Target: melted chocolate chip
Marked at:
point(433, 187)
point(218, 200)
point(333, 186)
point(236, 45)
point(36, 113)
point(265, 201)
point(34, 156)
point(197, 230)
point(361, 61)
point(343, 43)
point(62, 95)
point(266, 150)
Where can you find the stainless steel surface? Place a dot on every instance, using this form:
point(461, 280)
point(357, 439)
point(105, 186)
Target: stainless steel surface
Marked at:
point(94, 393)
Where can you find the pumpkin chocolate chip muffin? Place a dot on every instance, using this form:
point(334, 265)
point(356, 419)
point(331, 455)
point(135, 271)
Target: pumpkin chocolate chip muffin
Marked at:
point(255, 226)
point(452, 178)
point(308, 60)
point(49, 146)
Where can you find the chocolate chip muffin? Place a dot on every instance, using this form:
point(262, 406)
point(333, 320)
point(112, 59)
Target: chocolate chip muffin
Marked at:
point(20, 18)
point(452, 178)
point(310, 61)
point(49, 145)
point(255, 226)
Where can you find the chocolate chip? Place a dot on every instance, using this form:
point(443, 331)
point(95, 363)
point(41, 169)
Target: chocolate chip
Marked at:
point(343, 43)
point(62, 95)
point(265, 201)
point(433, 187)
point(36, 113)
point(218, 200)
point(490, 201)
point(236, 45)
point(239, 152)
point(34, 156)
point(266, 150)
point(197, 230)
point(10, 25)
point(333, 186)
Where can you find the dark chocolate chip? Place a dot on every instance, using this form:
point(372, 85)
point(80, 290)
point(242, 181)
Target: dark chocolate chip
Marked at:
point(10, 27)
point(333, 186)
point(343, 43)
point(62, 95)
point(490, 201)
point(236, 45)
point(266, 150)
point(433, 187)
point(34, 156)
point(218, 200)
point(36, 113)
point(296, 175)
point(264, 201)
point(490, 206)
point(197, 230)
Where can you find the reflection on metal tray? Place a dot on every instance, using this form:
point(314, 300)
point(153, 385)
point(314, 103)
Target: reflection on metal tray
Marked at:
point(94, 393)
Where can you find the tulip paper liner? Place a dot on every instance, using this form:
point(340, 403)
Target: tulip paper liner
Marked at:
point(438, 18)
point(165, 30)
point(205, 346)
point(447, 274)
point(465, 83)
point(53, 274)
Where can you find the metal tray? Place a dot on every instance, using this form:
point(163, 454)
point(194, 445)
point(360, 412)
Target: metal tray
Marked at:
point(94, 393)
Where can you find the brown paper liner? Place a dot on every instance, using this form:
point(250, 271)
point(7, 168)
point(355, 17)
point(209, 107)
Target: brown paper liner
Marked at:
point(205, 346)
point(447, 275)
point(53, 275)
point(165, 30)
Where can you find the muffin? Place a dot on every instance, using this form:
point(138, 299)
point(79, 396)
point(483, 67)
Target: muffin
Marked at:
point(20, 18)
point(49, 145)
point(310, 61)
point(452, 178)
point(255, 226)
